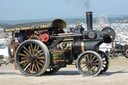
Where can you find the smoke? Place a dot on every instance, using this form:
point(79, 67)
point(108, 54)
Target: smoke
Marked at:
point(85, 3)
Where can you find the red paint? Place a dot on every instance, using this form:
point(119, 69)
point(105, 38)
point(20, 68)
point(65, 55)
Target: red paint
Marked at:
point(45, 37)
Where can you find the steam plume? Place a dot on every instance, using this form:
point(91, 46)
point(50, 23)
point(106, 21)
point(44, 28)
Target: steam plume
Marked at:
point(85, 3)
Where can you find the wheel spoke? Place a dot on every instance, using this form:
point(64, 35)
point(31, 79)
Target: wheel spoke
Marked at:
point(23, 58)
point(22, 55)
point(93, 59)
point(83, 62)
point(37, 48)
point(39, 63)
point(32, 67)
point(87, 58)
point(41, 58)
point(103, 59)
point(85, 68)
point(27, 66)
point(26, 50)
point(35, 67)
point(104, 62)
point(29, 69)
point(82, 66)
point(26, 53)
point(95, 64)
point(93, 68)
point(38, 52)
point(32, 51)
point(38, 68)
point(90, 58)
point(23, 61)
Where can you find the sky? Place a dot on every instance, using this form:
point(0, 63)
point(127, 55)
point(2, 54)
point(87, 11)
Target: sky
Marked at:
point(43, 9)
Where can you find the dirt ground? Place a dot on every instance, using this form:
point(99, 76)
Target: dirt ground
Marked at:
point(117, 74)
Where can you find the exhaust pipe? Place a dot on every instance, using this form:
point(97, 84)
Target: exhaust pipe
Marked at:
point(89, 20)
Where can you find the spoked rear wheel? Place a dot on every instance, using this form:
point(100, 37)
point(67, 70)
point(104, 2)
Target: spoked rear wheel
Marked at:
point(32, 58)
point(89, 63)
point(105, 61)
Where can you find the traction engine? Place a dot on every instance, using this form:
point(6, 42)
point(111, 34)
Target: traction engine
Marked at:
point(44, 47)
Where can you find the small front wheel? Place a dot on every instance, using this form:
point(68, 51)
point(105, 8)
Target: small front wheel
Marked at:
point(89, 63)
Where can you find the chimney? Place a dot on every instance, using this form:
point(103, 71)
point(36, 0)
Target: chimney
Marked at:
point(89, 20)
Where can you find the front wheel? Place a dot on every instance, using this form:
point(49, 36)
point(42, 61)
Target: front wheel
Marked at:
point(89, 63)
point(32, 58)
point(105, 60)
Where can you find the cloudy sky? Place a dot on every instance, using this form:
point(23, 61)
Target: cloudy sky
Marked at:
point(40, 9)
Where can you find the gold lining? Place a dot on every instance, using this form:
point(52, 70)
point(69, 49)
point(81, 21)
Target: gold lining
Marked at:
point(82, 47)
point(27, 28)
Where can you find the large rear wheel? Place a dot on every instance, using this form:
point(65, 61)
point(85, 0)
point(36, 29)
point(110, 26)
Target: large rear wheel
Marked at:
point(32, 58)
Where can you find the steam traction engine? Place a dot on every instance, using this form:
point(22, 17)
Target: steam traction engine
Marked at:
point(44, 47)
point(118, 49)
